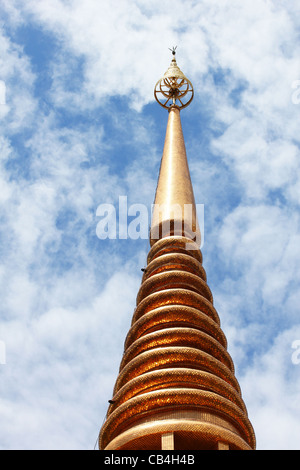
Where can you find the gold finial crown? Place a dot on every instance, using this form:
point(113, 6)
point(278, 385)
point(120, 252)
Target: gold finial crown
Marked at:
point(174, 89)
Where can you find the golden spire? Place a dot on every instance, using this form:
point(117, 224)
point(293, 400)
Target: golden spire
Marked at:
point(176, 387)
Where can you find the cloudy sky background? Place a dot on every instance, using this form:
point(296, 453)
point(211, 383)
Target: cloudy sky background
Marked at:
point(78, 128)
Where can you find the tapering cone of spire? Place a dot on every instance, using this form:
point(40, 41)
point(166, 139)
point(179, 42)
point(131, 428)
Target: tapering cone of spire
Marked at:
point(176, 387)
point(174, 211)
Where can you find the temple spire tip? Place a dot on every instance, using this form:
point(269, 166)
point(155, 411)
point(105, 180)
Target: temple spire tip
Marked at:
point(174, 89)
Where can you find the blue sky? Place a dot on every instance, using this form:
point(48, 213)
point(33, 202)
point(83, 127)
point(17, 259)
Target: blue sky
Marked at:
point(79, 128)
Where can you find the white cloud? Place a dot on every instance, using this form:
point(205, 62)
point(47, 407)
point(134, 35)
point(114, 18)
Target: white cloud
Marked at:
point(271, 389)
point(264, 241)
point(20, 106)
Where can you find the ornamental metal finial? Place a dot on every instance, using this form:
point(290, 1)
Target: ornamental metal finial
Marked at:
point(174, 89)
